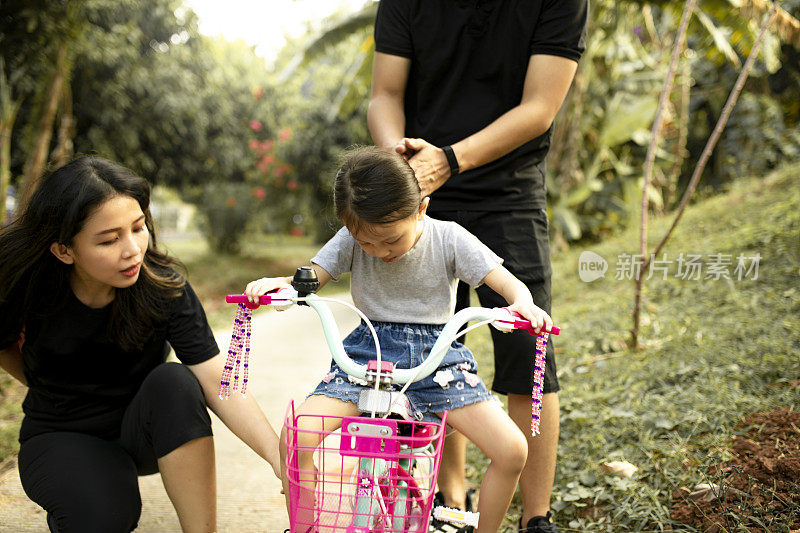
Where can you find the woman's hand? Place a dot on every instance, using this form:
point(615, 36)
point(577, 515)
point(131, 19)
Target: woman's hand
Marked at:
point(428, 162)
point(537, 316)
point(262, 286)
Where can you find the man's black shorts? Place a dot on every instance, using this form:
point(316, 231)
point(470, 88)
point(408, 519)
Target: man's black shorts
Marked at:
point(520, 238)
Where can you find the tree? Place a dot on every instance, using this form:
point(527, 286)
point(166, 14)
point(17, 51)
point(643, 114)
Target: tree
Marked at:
point(35, 41)
point(322, 91)
point(143, 86)
point(9, 107)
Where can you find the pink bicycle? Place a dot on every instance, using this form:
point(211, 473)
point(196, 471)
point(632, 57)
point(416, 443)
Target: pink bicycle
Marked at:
point(376, 472)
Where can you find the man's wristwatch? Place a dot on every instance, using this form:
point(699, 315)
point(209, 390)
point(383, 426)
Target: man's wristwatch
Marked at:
point(451, 159)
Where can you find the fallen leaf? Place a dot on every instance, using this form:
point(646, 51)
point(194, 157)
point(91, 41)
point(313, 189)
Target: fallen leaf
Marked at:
point(707, 492)
point(619, 468)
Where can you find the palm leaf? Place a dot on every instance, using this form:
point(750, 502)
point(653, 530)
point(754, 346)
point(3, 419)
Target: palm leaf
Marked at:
point(337, 31)
point(358, 76)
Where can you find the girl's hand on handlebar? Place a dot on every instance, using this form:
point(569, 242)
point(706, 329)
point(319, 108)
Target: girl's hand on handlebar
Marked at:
point(518, 296)
point(262, 286)
point(535, 314)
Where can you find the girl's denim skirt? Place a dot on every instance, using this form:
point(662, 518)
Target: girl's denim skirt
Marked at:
point(454, 384)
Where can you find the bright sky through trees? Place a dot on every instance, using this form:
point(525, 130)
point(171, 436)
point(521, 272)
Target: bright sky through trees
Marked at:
point(265, 23)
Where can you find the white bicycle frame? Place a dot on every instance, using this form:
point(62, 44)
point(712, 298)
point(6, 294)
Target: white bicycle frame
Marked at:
point(369, 502)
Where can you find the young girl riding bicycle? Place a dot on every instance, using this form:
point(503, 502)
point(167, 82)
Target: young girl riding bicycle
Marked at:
point(404, 268)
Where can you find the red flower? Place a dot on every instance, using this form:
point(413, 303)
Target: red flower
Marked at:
point(253, 144)
point(260, 193)
point(255, 125)
point(296, 231)
point(285, 134)
point(268, 159)
point(262, 166)
point(266, 145)
point(231, 201)
point(282, 169)
point(292, 185)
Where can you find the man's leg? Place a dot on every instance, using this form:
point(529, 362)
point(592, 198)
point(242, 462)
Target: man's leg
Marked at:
point(536, 481)
point(451, 481)
point(521, 239)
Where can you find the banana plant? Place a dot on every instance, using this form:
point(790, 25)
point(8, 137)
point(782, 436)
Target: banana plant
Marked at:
point(356, 78)
point(625, 60)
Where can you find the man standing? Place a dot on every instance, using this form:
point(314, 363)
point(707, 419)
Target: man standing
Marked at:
point(467, 90)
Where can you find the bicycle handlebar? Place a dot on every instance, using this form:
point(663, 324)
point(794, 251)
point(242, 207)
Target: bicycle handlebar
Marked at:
point(277, 295)
point(518, 322)
point(501, 318)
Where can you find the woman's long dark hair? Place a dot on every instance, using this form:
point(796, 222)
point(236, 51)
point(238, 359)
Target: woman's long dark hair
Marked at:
point(374, 186)
point(35, 283)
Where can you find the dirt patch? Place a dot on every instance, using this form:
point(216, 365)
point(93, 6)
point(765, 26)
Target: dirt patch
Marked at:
point(758, 489)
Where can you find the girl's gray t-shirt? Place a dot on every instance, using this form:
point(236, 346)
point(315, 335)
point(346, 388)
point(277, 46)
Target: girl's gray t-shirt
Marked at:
point(418, 288)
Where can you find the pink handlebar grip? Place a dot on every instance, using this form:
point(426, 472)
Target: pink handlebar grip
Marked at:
point(265, 299)
point(522, 323)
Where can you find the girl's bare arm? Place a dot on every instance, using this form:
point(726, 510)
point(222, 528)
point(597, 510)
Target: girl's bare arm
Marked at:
point(517, 295)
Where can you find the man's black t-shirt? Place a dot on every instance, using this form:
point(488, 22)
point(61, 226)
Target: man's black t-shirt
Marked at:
point(468, 65)
point(78, 380)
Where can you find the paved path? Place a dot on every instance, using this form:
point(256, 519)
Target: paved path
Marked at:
point(288, 358)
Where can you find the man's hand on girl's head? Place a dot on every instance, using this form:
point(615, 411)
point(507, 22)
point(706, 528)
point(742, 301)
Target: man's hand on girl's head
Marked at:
point(429, 164)
point(402, 148)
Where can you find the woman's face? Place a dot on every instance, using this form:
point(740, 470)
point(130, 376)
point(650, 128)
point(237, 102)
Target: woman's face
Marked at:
point(108, 252)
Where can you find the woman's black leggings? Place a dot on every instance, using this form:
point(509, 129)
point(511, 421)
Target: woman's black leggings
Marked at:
point(87, 484)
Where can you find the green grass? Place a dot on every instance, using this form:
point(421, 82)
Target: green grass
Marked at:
point(713, 351)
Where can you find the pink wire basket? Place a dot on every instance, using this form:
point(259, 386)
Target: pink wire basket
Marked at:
point(361, 474)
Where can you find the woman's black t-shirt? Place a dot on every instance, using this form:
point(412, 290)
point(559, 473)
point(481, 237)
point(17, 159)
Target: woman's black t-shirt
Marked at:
point(78, 380)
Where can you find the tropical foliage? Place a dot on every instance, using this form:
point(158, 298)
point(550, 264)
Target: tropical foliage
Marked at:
point(137, 83)
point(603, 130)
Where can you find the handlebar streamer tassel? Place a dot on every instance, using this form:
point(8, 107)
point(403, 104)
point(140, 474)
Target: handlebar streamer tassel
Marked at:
point(239, 345)
point(538, 382)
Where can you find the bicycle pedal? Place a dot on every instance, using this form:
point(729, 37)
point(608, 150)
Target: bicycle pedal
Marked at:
point(457, 517)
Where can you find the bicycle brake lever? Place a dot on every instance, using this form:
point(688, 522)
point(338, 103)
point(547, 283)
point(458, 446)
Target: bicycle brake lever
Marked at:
point(513, 320)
